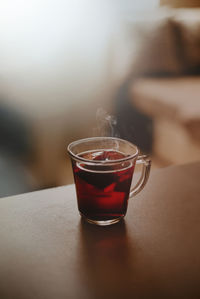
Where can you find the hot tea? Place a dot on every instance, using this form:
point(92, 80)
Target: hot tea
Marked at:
point(103, 189)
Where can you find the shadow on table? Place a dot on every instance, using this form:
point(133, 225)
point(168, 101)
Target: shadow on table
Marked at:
point(107, 260)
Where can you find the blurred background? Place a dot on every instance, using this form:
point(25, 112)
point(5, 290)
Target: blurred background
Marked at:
point(75, 69)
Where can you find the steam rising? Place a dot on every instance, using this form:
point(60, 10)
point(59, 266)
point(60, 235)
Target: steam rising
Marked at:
point(106, 124)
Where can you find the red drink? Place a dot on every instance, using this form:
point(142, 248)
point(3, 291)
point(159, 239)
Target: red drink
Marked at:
point(103, 190)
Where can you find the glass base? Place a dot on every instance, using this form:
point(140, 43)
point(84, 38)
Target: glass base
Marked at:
point(102, 222)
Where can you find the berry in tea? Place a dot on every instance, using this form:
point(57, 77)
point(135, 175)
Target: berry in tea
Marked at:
point(103, 190)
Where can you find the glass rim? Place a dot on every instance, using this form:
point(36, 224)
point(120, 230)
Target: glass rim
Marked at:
point(101, 162)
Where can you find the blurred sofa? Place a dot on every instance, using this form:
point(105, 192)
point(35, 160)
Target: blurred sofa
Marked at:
point(142, 65)
point(164, 81)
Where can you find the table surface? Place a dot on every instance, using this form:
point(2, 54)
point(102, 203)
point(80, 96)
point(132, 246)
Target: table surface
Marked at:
point(47, 251)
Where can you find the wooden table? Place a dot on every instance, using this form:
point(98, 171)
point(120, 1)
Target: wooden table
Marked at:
point(47, 252)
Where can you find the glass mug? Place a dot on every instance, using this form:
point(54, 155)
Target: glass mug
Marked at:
point(103, 168)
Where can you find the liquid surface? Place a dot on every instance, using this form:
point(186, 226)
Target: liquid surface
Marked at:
point(106, 155)
point(103, 191)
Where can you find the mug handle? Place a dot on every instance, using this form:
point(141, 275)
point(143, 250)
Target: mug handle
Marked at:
point(146, 166)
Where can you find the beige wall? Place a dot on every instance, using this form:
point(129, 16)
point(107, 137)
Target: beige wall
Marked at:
point(181, 3)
